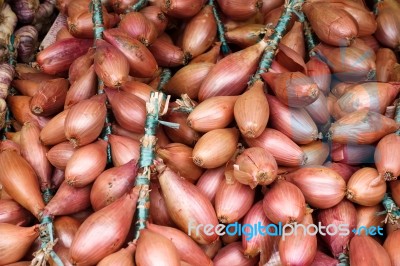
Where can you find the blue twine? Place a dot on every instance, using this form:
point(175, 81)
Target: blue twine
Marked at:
point(47, 195)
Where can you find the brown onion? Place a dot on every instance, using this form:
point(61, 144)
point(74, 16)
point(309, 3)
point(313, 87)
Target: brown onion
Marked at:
point(294, 39)
point(331, 186)
point(367, 216)
point(385, 62)
point(155, 249)
point(230, 78)
point(13, 213)
point(215, 148)
point(332, 25)
point(388, 20)
point(15, 241)
point(361, 127)
point(112, 222)
point(178, 157)
point(86, 164)
point(187, 206)
point(54, 131)
point(366, 187)
point(321, 259)
point(246, 35)
point(348, 63)
point(295, 123)
point(188, 250)
point(128, 109)
point(158, 208)
point(155, 15)
point(166, 53)
point(184, 134)
point(372, 96)
point(255, 166)
point(110, 64)
point(85, 120)
point(391, 246)
point(284, 203)
point(285, 151)
point(342, 213)
point(395, 189)
point(365, 250)
point(65, 228)
point(123, 149)
point(317, 152)
point(83, 88)
point(199, 32)
point(182, 8)
point(188, 79)
point(20, 181)
point(211, 56)
point(80, 65)
point(59, 56)
point(112, 184)
point(232, 254)
point(253, 246)
point(232, 201)
point(138, 89)
point(19, 106)
point(136, 25)
point(365, 19)
point(318, 110)
point(385, 159)
point(238, 10)
point(123, 257)
point(141, 61)
point(34, 153)
point(209, 182)
point(344, 170)
point(26, 87)
point(252, 111)
point(292, 88)
point(299, 248)
point(319, 71)
point(50, 97)
point(213, 113)
point(60, 154)
point(68, 200)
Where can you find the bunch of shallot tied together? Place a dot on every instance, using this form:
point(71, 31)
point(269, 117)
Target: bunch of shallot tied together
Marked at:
point(268, 135)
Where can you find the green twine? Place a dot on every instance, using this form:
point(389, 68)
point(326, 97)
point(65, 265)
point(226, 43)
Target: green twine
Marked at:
point(391, 209)
point(165, 77)
point(311, 39)
point(47, 195)
point(343, 260)
point(279, 31)
point(142, 211)
point(97, 19)
point(221, 28)
point(136, 7)
point(47, 241)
